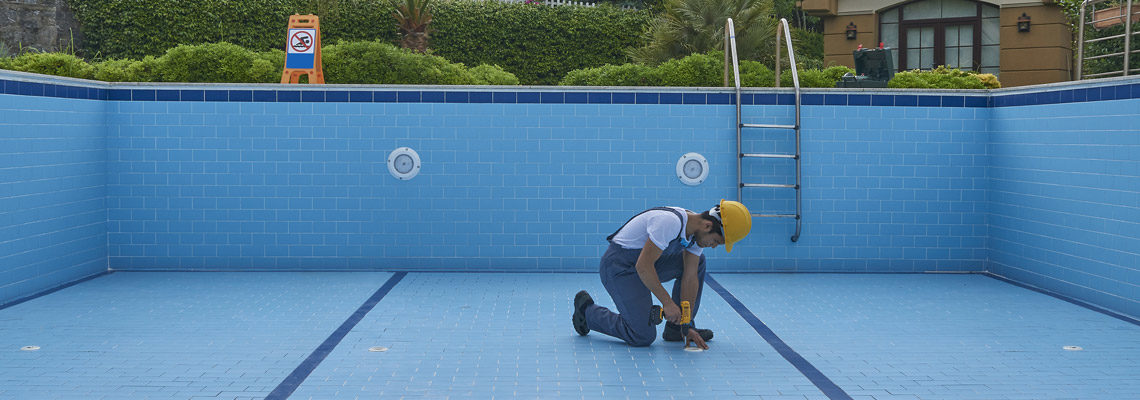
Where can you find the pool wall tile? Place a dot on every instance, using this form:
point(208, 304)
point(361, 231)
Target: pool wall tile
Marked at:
point(1034, 184)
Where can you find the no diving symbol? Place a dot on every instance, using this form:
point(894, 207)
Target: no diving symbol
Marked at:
point(301, 41)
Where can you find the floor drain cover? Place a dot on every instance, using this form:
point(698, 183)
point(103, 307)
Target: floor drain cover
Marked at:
point(1073, 348)
point(378, 349)
point(30, 348)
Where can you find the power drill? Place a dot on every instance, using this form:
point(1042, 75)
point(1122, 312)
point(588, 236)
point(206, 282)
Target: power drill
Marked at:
point(656, 315)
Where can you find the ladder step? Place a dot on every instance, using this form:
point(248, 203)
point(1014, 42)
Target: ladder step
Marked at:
point(768, 185)
point(771, 126)
point(776, 216)
point(761, 155)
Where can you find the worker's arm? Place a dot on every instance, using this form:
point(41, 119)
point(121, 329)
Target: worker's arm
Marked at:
point(690, 284)
point(648, 274)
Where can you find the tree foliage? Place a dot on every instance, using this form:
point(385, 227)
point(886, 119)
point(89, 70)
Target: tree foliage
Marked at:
point(698, 26)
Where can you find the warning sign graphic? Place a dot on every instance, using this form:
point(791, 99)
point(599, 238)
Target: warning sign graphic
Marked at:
point(301, 41)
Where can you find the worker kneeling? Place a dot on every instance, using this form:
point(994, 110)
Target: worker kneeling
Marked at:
point(659, 245)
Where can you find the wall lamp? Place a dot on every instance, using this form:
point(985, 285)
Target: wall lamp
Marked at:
point(1023, 23)
point(851, 32)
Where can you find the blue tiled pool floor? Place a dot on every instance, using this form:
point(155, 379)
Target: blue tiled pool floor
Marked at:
point(170, 335)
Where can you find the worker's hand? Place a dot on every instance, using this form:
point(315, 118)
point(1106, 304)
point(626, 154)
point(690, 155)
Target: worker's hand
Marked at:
point(696, 339)
point(672, 313)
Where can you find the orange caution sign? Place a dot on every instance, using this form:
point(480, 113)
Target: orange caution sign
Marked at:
point(303, 50)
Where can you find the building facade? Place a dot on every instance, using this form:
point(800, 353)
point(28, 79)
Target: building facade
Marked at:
point(1023, 42)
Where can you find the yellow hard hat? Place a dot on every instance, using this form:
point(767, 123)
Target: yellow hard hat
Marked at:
point(736, 220)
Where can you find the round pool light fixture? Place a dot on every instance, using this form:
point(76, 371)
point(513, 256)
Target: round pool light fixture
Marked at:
point(404, 163)
point(692, 169)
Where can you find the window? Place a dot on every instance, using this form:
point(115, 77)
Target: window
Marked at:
point(956, 33)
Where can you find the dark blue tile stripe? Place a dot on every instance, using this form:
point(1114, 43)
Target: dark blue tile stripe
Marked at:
point(1089, 306)
point(294, 380)
point(1123, 91)
point(829, 388)
point(53, 290)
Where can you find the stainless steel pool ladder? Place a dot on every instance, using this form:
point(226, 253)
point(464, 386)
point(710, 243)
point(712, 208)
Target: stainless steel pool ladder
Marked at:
point(730, 44)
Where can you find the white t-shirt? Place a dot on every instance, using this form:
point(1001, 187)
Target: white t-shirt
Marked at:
point(660, 226)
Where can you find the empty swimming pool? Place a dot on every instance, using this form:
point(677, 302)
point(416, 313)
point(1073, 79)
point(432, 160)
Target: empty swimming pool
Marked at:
point(222, 241)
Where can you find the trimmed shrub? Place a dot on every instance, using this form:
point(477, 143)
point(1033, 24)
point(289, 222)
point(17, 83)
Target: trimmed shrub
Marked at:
point(113, 70)
point(989, 81)
point(383, 63)
point(696, 70)
point(149, 69)
point(756, 74)
point(940, 78)
point(815, 78)
point(220, 62)
point(614, 75)
point(492, 75)
point(58, 64)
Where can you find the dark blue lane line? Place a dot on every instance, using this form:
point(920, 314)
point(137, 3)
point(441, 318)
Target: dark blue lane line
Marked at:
point(290, 384)
point(829, 388)
point(1089, 306)
point(53, 290)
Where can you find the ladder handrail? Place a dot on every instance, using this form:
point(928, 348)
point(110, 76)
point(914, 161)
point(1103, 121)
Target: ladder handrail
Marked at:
point(730, 44)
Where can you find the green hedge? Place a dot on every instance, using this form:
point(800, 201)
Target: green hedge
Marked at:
point(136, 28)
point(539, 44)
point(347, 62)
point(58, 64)
point(697, 70)
point(943, 78)
point(383, 63)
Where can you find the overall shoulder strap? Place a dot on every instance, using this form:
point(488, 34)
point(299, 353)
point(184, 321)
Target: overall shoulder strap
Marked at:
point(675, 212)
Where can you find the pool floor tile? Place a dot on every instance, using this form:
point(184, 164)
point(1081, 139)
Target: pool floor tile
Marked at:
point(238, 335)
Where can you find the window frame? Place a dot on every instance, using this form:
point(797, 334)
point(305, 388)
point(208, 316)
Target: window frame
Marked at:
point(939, 25)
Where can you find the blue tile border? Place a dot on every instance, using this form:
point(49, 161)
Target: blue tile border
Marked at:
point(294, 380)
point(984, 100)
point(1059, 296)
point(53, 290)
point(825, 385)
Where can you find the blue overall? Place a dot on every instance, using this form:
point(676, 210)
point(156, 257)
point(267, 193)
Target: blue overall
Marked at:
point(619, 276)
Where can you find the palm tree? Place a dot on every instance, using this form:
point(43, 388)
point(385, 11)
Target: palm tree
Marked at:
point(697, 26)
point(413, 18)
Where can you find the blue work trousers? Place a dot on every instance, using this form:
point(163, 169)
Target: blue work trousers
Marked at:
point(633, 300)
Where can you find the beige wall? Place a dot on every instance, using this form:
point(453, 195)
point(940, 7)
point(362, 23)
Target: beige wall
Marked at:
point(837, 48)
point(1042, 55)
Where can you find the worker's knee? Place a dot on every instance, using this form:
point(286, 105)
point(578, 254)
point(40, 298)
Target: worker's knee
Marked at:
point(642, 338)
point(641, 342)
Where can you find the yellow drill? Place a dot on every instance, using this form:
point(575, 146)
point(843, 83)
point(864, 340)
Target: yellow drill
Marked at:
point(656, 315)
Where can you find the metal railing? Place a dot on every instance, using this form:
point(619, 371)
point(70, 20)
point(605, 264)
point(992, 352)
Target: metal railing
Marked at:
point(1122, 14)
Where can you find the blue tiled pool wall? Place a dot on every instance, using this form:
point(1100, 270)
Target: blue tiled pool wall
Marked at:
point(533, 187)
point(887, 189)
point(316, 194)
point(1065, 199)
point(52, 193)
